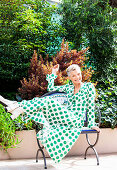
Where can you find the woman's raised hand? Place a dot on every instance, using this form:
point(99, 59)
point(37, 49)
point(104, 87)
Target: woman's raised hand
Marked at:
point(55, 69)
point(96, 128)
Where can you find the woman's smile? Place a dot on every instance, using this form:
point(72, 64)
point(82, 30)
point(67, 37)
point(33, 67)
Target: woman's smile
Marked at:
point(75, 77)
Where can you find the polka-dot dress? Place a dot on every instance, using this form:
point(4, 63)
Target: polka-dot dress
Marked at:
point(61, 125)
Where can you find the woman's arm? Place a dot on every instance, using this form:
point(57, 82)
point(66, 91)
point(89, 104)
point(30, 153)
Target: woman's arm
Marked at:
point(51, 77)
point(91, 105)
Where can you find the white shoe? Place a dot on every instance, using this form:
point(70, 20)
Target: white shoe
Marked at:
point(12, 107)
point(9, 105)
point(6, 102)
point(16, 113)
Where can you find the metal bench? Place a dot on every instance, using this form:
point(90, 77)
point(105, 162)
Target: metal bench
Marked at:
point(62, 98)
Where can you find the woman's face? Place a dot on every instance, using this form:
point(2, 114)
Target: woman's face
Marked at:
point(75, 77)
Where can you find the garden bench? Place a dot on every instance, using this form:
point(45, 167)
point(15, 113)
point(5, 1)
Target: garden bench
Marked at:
point(62, 98)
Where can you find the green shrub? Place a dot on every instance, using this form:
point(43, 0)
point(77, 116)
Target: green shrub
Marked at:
point(107, 104)
point(7, 130)
point(25, 25)
point(95, 20)
point(8, 127)
point(107, 97)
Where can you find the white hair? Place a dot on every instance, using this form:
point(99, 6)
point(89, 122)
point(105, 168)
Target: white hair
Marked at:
point(73, 67)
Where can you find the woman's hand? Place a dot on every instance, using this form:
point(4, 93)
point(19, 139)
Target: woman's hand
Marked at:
point(55, 69)
point(96, 128)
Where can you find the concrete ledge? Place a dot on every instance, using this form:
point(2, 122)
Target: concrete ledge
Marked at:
point(107, 143)
point(28, 147)
point(4, 155)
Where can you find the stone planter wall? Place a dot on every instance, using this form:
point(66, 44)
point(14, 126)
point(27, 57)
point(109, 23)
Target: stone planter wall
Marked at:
point(107, 143)
point(28, 147)
point(4, 155)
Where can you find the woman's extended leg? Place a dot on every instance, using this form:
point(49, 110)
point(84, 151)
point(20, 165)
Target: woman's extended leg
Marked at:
point(52, 110)
point(11, 106)
point(61, 127)
point(6, 102)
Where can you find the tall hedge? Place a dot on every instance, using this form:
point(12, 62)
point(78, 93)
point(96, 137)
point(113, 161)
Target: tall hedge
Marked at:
point(91, 23)
point(25, 25)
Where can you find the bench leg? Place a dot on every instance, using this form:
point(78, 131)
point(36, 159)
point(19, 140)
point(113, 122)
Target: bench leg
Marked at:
point(92, 147)
point(41, 149)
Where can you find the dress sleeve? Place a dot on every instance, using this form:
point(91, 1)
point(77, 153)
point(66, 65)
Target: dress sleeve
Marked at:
point(91, 105)
point(50, 78)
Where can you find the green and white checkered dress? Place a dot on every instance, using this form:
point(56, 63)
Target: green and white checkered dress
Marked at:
point(61, 125)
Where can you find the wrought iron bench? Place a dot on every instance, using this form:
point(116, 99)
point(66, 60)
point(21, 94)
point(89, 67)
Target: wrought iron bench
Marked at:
point(61, 97)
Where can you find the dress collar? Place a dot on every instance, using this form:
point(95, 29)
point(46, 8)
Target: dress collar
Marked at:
point(72, 87)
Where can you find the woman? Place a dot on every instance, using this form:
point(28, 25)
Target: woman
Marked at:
point(61, 126)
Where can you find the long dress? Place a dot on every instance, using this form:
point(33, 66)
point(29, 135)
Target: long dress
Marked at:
point(61, 125)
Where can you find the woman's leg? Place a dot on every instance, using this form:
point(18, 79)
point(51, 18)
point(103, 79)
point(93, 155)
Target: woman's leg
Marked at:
point(52, 111)
point(61, 126)
point(62, 130)
point(6, 102)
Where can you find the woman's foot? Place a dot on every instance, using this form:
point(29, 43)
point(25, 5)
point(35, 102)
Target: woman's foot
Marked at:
point(8, 104)
point(12, 107)
point(16, 113)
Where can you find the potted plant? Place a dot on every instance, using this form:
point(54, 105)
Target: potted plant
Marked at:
point(9, 131)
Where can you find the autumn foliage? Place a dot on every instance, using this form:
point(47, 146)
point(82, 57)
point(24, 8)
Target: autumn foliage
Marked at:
point(36, 85)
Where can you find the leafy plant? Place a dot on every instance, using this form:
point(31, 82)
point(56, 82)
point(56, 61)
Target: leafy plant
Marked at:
point(8, 127)
point(107, 97)
point(95, 20)
point(25, 25)
point(107, 104)
point(20, 124)
point(8, 137)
